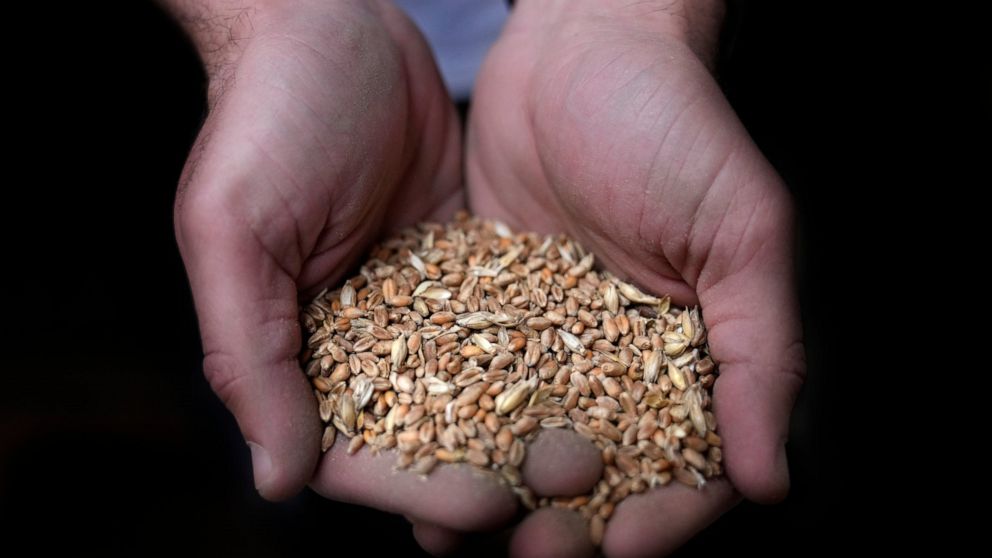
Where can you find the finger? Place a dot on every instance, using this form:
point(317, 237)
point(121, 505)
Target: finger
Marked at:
point(658, 521)
point(436, 540)
point(755, 334)
point(561, 463)
point(550, 532)
point(458, 497)
point(247, 308)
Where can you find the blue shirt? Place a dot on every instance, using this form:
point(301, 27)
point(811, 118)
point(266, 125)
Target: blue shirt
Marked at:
point(460, 33)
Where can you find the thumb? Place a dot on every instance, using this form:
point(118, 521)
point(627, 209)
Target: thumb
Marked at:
point(755, 334)
point(247, 309)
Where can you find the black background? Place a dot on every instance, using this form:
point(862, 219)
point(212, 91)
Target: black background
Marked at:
point(110, 439)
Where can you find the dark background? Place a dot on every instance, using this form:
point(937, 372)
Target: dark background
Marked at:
point(110, 439)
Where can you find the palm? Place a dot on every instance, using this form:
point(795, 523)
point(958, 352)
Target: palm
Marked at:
point(612, 143)
point(335, 138)
point(625, 141)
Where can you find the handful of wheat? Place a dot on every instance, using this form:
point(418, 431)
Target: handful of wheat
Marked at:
point(458, 343)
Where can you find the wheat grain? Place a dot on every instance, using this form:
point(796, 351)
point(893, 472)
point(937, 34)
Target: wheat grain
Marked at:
point(460, 343)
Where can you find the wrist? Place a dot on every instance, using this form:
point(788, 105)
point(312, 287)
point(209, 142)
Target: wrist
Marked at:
point(695, 23)
point(219, 29)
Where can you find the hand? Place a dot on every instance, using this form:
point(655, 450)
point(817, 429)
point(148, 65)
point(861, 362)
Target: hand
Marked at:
point(316, 141)
point(602, 119)
point(328, 125)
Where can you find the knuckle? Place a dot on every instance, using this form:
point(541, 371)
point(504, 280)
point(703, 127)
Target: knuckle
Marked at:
point(783, 206)
point(211, 218)
point(224, 377)
point(794, 359)
point(201, 212)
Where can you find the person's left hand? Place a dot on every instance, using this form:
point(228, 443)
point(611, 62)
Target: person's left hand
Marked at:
point(602, 119)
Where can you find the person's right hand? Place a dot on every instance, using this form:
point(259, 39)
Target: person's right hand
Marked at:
point(328, 125)
point(316, 140)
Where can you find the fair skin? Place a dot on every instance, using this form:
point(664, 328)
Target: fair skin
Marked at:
point(329, 126)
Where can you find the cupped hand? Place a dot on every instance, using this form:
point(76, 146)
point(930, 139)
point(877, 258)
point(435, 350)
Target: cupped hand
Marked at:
point(602, 119)
point(328, 126)
point(316, 140)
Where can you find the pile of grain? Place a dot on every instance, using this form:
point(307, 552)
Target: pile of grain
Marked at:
point(459, 343)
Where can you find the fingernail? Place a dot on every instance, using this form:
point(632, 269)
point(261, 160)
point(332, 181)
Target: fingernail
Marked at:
point(261, 464)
